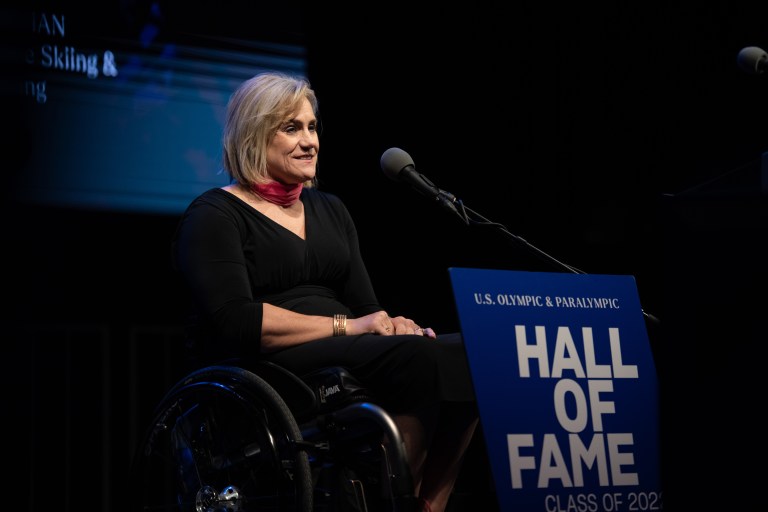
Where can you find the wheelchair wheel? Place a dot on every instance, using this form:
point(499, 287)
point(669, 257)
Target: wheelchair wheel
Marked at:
point(222, 440)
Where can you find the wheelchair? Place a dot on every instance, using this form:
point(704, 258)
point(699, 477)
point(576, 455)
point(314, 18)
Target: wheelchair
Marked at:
point(227, 439)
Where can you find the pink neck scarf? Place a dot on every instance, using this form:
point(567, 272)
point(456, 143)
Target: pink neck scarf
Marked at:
point(275, 192)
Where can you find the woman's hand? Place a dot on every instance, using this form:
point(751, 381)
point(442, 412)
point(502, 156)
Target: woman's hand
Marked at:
point(404, 325)
point(381, 323)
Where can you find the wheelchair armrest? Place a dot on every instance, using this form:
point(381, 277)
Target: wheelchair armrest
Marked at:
point(316, 392)
point(335, 386)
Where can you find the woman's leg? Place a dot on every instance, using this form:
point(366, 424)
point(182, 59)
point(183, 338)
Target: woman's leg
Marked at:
point(416, 432)
point(450, 440)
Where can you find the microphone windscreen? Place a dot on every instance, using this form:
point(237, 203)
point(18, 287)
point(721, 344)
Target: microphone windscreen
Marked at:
point(393, 161)
point(749, 59)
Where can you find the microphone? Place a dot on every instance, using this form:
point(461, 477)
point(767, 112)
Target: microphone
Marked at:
point(752, 60)
point(398, 166)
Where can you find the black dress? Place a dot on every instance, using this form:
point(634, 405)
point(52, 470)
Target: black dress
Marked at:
point(232, 259)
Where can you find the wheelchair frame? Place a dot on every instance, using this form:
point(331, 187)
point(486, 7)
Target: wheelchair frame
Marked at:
point(223, 439)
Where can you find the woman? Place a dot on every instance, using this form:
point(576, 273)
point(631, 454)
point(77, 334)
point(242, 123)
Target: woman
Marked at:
point(275, 272)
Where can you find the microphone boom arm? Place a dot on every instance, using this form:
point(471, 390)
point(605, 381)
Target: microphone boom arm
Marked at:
point(471, 218)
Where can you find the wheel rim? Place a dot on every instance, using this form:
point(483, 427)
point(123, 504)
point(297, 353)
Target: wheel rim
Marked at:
point(214, 449)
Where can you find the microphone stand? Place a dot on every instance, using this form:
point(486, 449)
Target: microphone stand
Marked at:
point(470, 217)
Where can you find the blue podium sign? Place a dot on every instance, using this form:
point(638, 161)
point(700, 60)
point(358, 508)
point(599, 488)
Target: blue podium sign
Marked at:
point(566, 388)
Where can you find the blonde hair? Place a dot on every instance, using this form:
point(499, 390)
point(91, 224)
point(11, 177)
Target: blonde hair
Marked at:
point(255, 112)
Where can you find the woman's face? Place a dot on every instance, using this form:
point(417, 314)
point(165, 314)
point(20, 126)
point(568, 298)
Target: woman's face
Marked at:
point(292, 152)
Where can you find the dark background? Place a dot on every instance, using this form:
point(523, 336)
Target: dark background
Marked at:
point(621, 139)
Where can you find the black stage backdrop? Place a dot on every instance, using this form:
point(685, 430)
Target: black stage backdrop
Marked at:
point(620, 140)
